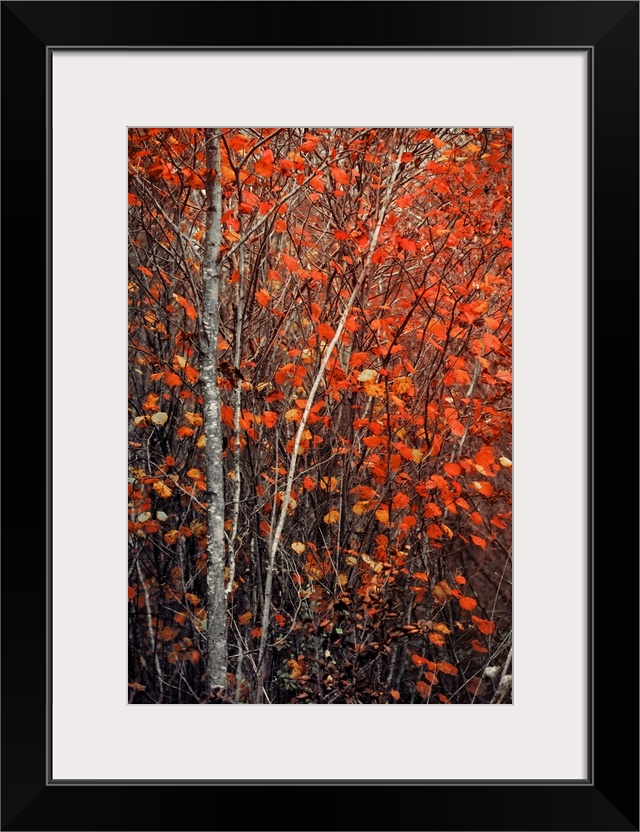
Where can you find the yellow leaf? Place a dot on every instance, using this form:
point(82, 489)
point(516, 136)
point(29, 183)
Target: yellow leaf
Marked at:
point(403, 384)
point(328, 483)
point(374, 390)
point(193, 418)
point(298, 547)
point(383, 515)
point(180, 361)
point(360, 507)
point(368, 375)
point(293, 415)
point(201, 442)
point(296, 670)
point(441, 628)
point(162, 489)
point(417, 455)
point(332, 517)
point(505, 462)
point(343, 579)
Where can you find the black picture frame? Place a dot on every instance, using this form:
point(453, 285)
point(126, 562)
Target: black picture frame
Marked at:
point(608, 798)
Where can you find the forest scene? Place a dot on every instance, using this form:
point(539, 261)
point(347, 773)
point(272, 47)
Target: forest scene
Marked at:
point(319, 415)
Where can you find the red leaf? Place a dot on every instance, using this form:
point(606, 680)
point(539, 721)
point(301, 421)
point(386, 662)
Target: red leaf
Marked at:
point(317, 184)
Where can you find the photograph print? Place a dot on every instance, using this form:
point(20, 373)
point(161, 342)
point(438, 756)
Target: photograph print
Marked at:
point(319, 415)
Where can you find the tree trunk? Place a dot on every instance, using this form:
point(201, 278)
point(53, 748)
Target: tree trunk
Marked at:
point(216, 599)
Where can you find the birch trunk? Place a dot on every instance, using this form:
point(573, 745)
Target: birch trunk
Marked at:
point(216, 598)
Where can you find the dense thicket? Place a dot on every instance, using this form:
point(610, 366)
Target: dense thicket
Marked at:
point(364, 366)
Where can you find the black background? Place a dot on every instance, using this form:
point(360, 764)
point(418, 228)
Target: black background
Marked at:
point(609, 800)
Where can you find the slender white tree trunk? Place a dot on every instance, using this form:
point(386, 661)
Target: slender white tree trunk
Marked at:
point(286, 500)
point(216, 598)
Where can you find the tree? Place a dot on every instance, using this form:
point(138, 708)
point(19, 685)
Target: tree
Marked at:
point(320, 326)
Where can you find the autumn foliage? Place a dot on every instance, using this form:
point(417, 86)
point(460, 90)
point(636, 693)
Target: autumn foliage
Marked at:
point(365, 322)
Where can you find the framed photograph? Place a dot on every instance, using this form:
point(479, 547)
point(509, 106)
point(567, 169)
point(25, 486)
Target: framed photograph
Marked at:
point(311, 246)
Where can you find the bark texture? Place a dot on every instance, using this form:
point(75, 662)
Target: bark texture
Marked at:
point(216, 598)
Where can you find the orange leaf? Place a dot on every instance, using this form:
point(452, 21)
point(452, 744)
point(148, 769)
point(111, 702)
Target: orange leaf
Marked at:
point(340, 176)
point(358, 359)
point(467, 603)
point(485, 627)
point(446, 667)
point(452, 468)
point(484, 457)
point(308, 483)
point(431, 677)
point(326, 331)
point(479, 541)
point(190, 310)
point(269, 418)
point(290, 263)
point(317, 184)
point(478, 647)
point(485, 488)
point(245, 618)
point(423, 689)
point(437, 639)
point(460, 579)
point(263, 297)
point(172, 379)
point(264, 166)
point(256, 632)
point(420, 660)
point(400, 500)
point(395, 694)
point(492, 343)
